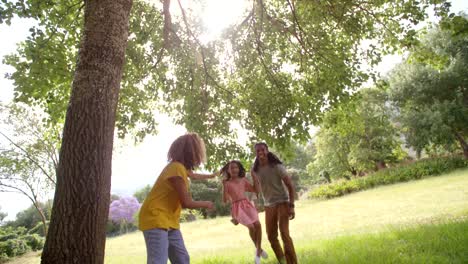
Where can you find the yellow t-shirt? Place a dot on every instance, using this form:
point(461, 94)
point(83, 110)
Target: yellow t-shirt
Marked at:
point(161, 208)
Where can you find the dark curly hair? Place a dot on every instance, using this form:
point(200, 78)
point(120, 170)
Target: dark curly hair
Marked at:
point(225, 169)
point(272, 158)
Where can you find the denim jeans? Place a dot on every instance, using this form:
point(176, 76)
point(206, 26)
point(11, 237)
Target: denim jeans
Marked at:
point(162, 245)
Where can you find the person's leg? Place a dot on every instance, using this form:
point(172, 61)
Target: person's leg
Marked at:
point(157, 245)
point(177, 251)
point(252, 233)
point(258, 237)
point(271, 222)
point(289, 251)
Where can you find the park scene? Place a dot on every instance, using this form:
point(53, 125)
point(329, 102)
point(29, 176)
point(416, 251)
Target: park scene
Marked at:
point(222, 131)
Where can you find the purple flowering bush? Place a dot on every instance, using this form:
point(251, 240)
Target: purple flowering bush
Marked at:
point(122, 212)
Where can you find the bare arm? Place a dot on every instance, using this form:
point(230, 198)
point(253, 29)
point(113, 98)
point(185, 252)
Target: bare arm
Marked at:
point(200, 176)
point(225, 194)
point(290, 186)
point(249, 187)
point(185, 199)
point(256, 182)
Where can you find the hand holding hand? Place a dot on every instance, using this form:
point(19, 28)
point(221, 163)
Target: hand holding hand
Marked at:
point(210, 205)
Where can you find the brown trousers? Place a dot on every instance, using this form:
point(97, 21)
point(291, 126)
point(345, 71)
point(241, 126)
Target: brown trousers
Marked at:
point(274, 216)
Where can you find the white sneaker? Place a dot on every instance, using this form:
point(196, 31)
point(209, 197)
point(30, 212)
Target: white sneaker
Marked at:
point(257, 259)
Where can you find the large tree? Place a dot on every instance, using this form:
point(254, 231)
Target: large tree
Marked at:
point(272, 71)
point(430, 88)
point(81, 203)
point(357, 136)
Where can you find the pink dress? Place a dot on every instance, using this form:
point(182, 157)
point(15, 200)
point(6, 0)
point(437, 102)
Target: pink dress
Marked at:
point(242, 209)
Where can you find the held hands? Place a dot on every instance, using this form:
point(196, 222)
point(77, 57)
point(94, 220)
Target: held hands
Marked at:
point(217, 173)
point(209, 205)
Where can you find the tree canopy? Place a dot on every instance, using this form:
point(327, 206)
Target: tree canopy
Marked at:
point(430, 88)
point(358, 136)
point(273, 72)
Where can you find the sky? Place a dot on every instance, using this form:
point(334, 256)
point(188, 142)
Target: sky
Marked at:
point(136, 166)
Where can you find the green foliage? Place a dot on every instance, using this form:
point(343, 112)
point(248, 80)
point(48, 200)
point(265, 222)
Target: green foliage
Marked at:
point(34, 241)
point(30, 218)
point(429, 88)
point(2, 215)
point(210, 190)
point(15, 242)
point(189, 215)
point(142, 193)
point(114, 229)
point(272, 73)
point(39, 229)
point(295, 158)
point(14, 247)
point(356, 136)
point(417, 170)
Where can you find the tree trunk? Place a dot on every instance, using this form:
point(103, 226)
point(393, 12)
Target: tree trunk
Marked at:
point(463, 144)
point(380, 165)
point(81, 204)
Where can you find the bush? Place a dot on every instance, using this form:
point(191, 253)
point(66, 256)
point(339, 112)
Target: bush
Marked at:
point(189, 215)
point(34, 241)
point(414, 171)
point(14, 247)
point(4, 258)
point(15, 242)
point(38, 229)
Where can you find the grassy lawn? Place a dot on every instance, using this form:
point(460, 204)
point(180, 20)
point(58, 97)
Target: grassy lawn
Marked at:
point(423, 221)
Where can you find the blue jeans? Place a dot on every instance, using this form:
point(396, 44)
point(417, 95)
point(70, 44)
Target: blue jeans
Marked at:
point(162, 244)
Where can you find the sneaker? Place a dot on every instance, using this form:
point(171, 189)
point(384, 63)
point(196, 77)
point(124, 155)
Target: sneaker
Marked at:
point(257, 259)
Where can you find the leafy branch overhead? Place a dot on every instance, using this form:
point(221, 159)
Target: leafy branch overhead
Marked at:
point(274, 71)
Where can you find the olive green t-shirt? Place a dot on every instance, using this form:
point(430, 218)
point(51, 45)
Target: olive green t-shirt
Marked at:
point(271, 181)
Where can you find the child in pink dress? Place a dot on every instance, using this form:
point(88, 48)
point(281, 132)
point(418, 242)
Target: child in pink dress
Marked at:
point(242, 210)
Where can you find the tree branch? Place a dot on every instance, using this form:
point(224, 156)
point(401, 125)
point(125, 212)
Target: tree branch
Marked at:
point(26, 154)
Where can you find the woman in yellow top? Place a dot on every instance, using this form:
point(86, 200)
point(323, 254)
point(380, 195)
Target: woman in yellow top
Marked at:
point(160, 212)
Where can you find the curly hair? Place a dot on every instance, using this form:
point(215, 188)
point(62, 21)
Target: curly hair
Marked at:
point(225, 169)
point(189, 150)
point(272, 158)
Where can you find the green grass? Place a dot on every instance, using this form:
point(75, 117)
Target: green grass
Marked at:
point(423, 221)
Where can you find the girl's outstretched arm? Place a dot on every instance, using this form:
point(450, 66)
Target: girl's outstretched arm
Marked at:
point(185, 199)
point(200, 176)
point(225, 193)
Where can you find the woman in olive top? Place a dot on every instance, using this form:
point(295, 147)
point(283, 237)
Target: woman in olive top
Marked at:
point(160, 212)
point(278, 195)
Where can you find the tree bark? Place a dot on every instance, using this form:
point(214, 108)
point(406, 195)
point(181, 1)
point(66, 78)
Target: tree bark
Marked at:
point(81, 204)
point(463, 144)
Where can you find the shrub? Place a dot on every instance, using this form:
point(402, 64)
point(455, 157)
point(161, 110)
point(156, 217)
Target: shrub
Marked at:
point(15, 242)
point(4, 258)
point(14, 247)
point(189, 215)
point(413, 171)
point(34, 241)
